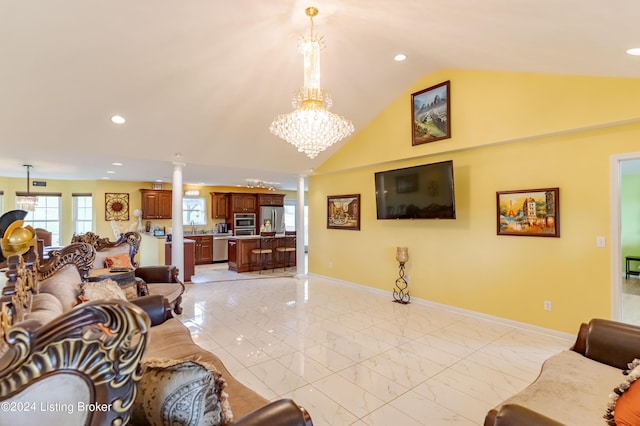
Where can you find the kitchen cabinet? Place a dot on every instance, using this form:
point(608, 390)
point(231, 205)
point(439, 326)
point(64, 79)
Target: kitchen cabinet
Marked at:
point(219, 205)
point(203, 249)
point(156, 204)
point(239, 253)
point(243, 203)
point(189, 258)
point(271, 199)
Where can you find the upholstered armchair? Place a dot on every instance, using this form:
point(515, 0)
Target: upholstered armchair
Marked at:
point(163, 280)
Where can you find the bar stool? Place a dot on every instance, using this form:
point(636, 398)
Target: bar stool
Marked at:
point(264, 251)
point(288, 248)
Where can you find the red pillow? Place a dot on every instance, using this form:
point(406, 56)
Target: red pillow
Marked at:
point(119, 261)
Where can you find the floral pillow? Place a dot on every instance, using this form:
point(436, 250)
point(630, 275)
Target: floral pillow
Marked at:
point(119, 261)
point(624, 407)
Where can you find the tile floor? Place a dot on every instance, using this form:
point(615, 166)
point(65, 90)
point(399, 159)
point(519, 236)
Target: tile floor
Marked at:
point(353, 357)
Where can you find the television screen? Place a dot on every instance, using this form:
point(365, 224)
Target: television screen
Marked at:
point(420, 192)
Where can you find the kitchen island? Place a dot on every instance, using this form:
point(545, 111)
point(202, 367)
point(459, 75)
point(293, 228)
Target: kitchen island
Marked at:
point(239, 252)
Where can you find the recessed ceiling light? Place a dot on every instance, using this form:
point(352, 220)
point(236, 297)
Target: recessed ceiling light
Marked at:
point(110, 172)
point(635, 51)
point(400, 57)
point(158, 180)
point(116, 164)
point(118, 119)
point(105, 177)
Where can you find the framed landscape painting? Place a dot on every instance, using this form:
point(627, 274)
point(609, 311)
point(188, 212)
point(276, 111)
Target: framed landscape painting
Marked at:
point(431, 114)
point(343, 212)
point(529, 212)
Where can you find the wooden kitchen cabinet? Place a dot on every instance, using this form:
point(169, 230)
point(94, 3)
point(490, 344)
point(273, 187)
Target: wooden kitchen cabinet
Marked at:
point(239, 253)
point(271, 199)
point(219, 205)
point(243, 203)
point(189, 258)
point(203, 249)
point(156, 204)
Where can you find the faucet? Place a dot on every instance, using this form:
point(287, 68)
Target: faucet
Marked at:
point(193, 228)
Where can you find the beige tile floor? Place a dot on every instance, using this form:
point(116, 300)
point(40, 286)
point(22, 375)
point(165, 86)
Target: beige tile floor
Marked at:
point(353, 357)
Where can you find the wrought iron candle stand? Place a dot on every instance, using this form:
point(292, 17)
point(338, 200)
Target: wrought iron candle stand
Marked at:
point(401, 292)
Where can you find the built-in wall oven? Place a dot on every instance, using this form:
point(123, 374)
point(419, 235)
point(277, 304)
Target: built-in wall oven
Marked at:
point(244, 224)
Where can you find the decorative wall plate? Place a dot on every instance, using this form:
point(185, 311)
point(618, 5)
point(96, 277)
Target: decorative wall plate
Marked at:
point(116, 206)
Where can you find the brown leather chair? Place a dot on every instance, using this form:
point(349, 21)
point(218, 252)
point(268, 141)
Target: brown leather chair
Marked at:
point(43, 239)
point(44, 235)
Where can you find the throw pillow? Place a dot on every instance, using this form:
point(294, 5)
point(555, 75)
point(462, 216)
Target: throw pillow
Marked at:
point(105, 289)
point(181, 392)
point(624, 407)
point(119, 261)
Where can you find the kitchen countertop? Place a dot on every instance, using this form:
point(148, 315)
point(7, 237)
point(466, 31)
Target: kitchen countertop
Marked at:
point(249, 237)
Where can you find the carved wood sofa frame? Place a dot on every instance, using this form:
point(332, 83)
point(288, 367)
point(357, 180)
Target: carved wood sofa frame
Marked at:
point(101, 244)
point(97, 343)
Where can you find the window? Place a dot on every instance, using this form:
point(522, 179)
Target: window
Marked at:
point(290, 218)
point(47, 216)
point(194, 211)
point(82, 213)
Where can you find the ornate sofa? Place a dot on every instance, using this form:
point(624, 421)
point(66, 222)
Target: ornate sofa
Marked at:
point(170, 350)
point(575, 386)
point(89, 355)
point(162, 280)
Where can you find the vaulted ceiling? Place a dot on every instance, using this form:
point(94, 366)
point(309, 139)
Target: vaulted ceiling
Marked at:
point(205, 78)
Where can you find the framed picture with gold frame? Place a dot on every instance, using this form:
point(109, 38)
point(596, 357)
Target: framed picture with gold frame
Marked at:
point(343, 212)
point(116, 206)
point(529, 212)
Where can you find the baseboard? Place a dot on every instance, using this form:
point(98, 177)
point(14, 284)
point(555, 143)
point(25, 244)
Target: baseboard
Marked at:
point(454, 309)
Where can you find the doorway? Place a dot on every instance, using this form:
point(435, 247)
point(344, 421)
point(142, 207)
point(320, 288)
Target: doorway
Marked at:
point(625, 237)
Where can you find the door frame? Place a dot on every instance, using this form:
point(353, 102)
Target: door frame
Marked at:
point(616, 229)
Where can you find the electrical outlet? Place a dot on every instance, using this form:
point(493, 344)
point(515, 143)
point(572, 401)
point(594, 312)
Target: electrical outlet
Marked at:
point(547, 305)
point(600, 242)
point(330, 264)
point(406, 278)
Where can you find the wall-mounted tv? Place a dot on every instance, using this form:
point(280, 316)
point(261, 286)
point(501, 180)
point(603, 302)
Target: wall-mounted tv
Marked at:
point(420, 192)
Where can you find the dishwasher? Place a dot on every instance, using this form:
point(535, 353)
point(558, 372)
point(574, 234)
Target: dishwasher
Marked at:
point(220, 248)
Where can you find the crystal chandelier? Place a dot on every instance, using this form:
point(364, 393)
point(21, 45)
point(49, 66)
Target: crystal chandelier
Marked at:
point(26, 201)
point(311, 127)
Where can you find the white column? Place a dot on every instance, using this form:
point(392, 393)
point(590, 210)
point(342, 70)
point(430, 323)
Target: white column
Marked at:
point(177, 246)
point(301, 270)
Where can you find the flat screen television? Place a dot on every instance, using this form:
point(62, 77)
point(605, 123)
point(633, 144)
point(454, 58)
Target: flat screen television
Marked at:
point(419, 192)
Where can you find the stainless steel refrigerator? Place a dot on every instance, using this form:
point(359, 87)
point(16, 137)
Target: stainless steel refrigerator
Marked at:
point(272, 218)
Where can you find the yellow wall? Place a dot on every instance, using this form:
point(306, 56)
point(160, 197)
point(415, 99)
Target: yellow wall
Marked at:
point(510, 131)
